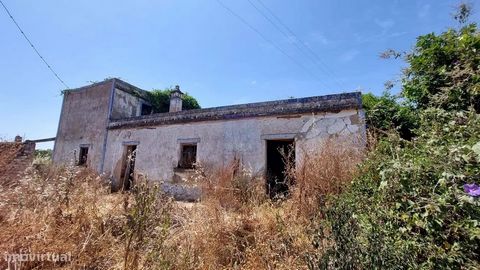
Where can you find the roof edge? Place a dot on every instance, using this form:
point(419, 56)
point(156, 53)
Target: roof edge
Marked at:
point(315, 104)
point(106, 81)
point(119, 84)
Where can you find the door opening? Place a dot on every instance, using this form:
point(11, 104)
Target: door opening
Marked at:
point(128, 169)
point(83, 156)
point(280, 158)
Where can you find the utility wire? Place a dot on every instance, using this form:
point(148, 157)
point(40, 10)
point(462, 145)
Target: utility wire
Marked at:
point(33, 47)
point(301, 49)
point(269, 41)
point(312, 52)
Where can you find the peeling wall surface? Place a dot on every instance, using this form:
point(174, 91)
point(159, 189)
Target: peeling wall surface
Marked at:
point(125, 105)
point(218, 142)
point(106, 117)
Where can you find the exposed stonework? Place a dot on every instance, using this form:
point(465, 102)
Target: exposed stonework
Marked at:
point(15, 158)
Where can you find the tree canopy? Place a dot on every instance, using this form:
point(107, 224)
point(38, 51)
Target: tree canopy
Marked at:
point(443, 72)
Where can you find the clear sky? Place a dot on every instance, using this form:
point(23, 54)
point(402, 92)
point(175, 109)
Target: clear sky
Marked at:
point(201, 46)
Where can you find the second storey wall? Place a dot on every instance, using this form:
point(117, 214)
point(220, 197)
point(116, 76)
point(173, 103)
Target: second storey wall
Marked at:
point(125, 105)
point(83, 121)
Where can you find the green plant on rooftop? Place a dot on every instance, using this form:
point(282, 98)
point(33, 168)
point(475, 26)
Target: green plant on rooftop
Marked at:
point(160, 100)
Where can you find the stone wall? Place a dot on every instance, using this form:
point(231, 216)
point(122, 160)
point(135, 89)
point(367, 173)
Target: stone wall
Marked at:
point(15, 158)
point(83, 121)
point(218, 142)
point(125, 105)
point(105, 117)
point(85, 114)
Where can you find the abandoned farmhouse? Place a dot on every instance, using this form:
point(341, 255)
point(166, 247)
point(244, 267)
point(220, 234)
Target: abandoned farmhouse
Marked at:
point(108, 127)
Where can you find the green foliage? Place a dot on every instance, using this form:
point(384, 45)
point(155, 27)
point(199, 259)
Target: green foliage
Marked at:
point(386, 112)
point(444, 70)
point(44, 154)
point(160, 100)
point(407, 209)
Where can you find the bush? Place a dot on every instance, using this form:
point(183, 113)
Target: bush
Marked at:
point(160, 100)
point(444, 70)
point(407, 207)
point(388, 112)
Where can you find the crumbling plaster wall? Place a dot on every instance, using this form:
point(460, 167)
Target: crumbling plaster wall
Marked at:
point(83, 121)
point(125, 105)
point(220, 141)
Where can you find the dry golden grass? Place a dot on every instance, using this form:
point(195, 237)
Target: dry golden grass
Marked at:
point(60, 211)
point(235, 226)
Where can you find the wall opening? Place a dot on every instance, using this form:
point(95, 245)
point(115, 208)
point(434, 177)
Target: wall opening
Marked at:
point(128, 168)
point(83, 156)
point(145, 109)
point(188, 156)
point(280, 155)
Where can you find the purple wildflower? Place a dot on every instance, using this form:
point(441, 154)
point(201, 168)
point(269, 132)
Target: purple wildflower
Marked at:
point(472, 189)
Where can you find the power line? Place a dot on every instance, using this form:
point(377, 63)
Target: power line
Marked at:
point(31, 45)
point(301, 49)
point(268, 40)
point(312, 52)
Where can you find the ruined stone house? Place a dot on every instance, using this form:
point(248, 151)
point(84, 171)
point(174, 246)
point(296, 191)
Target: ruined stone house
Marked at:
point(104, 124)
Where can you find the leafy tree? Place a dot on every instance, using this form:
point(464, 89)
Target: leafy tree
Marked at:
point(444, 70)
point(387, 112)
point(160, 100)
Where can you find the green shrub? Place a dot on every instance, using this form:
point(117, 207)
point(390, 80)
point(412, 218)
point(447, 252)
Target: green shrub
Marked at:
point(43, 153)
point(407, 207)
point(160, 100)
point(387, 112)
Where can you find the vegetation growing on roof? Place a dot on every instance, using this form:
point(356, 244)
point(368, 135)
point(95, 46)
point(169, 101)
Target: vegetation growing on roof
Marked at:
point(160, 100)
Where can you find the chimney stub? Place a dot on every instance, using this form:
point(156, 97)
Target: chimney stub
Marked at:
point(176, 100)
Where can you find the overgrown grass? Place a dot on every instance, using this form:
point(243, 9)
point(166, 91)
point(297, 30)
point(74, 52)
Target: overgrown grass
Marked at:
point(235, 226)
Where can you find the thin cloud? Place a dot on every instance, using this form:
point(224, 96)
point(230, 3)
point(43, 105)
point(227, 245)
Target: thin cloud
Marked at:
point(317, 37)
point(349, 55)
point(424, 11)
point(385, 24)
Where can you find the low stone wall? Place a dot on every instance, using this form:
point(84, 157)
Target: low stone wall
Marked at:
point(15, 158)
point(182, 192)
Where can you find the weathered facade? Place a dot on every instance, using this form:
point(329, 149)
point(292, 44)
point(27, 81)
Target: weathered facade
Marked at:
point(101, 124)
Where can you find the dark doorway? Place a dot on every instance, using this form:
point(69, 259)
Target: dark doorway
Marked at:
point(145, 109)
point(83, 156)
point(128, 169)
point(280, 153)
point(188, 156)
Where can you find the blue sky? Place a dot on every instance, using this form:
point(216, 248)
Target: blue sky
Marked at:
point(202, 47)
